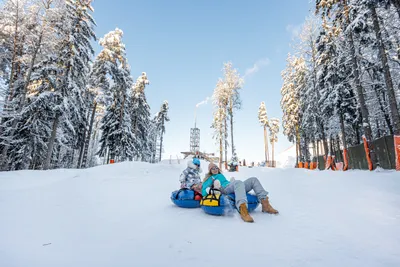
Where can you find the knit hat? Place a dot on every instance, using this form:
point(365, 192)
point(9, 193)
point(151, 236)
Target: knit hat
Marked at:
point(210, 166)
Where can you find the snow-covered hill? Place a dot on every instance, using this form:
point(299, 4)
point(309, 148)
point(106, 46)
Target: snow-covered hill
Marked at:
point(121, 215)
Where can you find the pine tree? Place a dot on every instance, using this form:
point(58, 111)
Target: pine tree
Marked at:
point(160, 120)
point(233, 84)
point(99, 96)
point(220, 102)
point(30, 96)
point(263, 119)
point(274, 130)
point(312, 123)
point(293, 83)
point(117, 141)
point(371, 9)
point(339, 13)
point(140, 118)
point(75, 52)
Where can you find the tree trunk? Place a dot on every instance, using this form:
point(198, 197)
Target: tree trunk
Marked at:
point(161, 142)
point(108, 156)
point(82, 142)
point(272, 146)
point(87, 139)
point(231, 120)
point(314, 151)
point(342, 128)
point(382, 108)
point(220, 149)
point(51, 143)
point(297, 154)
point(388, 78)
point(226, 142)
point(298, 151)
point(266, 145)
point(324, 141)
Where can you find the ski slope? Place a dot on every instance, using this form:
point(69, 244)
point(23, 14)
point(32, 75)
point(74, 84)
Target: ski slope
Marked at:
point(121, 215)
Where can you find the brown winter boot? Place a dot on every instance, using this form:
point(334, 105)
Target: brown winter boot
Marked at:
point(266, 207)
point(244, 213)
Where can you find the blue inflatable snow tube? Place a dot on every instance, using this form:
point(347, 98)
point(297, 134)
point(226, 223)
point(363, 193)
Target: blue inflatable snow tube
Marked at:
point(185, 198)
point(227, 205)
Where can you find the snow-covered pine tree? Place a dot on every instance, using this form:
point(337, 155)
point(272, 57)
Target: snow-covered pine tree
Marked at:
point(140, 118)
point(98, 95)
point(338, 12)
point(290, 103)
point(32, 97)
point(153, 140)
point(117, 141)
point(273, 130)
point(220, 116)
point(293, 85)
point(233, 84)
point(367, 20)
point(338, 104)
point(14, 18)
point(312, 124)
point(161, 119)
point(75, 52)
point(263, 119)
point(384, 62)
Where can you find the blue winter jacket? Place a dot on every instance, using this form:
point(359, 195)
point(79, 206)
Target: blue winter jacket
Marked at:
point(221, 178)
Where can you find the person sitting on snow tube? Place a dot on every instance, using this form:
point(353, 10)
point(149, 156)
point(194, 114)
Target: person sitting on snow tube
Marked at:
point(215, 178)
point(190, 177)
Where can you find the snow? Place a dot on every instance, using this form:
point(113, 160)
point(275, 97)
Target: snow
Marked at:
point(287, 158)
point(121, 215)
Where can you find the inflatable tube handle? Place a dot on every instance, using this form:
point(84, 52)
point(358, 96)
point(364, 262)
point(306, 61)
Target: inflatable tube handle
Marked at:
point(180, 190)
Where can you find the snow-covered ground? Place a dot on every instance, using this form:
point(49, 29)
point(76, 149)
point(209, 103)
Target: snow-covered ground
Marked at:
point(120, 215)
point(287, 158)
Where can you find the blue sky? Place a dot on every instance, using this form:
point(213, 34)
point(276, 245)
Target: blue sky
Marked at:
point(182, 45)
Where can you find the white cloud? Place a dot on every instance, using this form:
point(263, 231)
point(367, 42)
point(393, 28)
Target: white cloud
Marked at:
point(203, 102)
point(256, 67)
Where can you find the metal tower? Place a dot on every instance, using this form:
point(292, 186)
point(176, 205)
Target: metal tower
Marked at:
point(195, 136)
point(194, 139)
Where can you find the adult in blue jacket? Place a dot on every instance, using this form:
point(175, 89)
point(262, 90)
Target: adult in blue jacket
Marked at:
point(214, 178)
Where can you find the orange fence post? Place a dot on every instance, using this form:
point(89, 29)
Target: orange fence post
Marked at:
point(314, 165)
point(397, 151)
point(306, 165)
point(346, 160)
point(112, 161)
point(367, 153)
point(328, 162)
